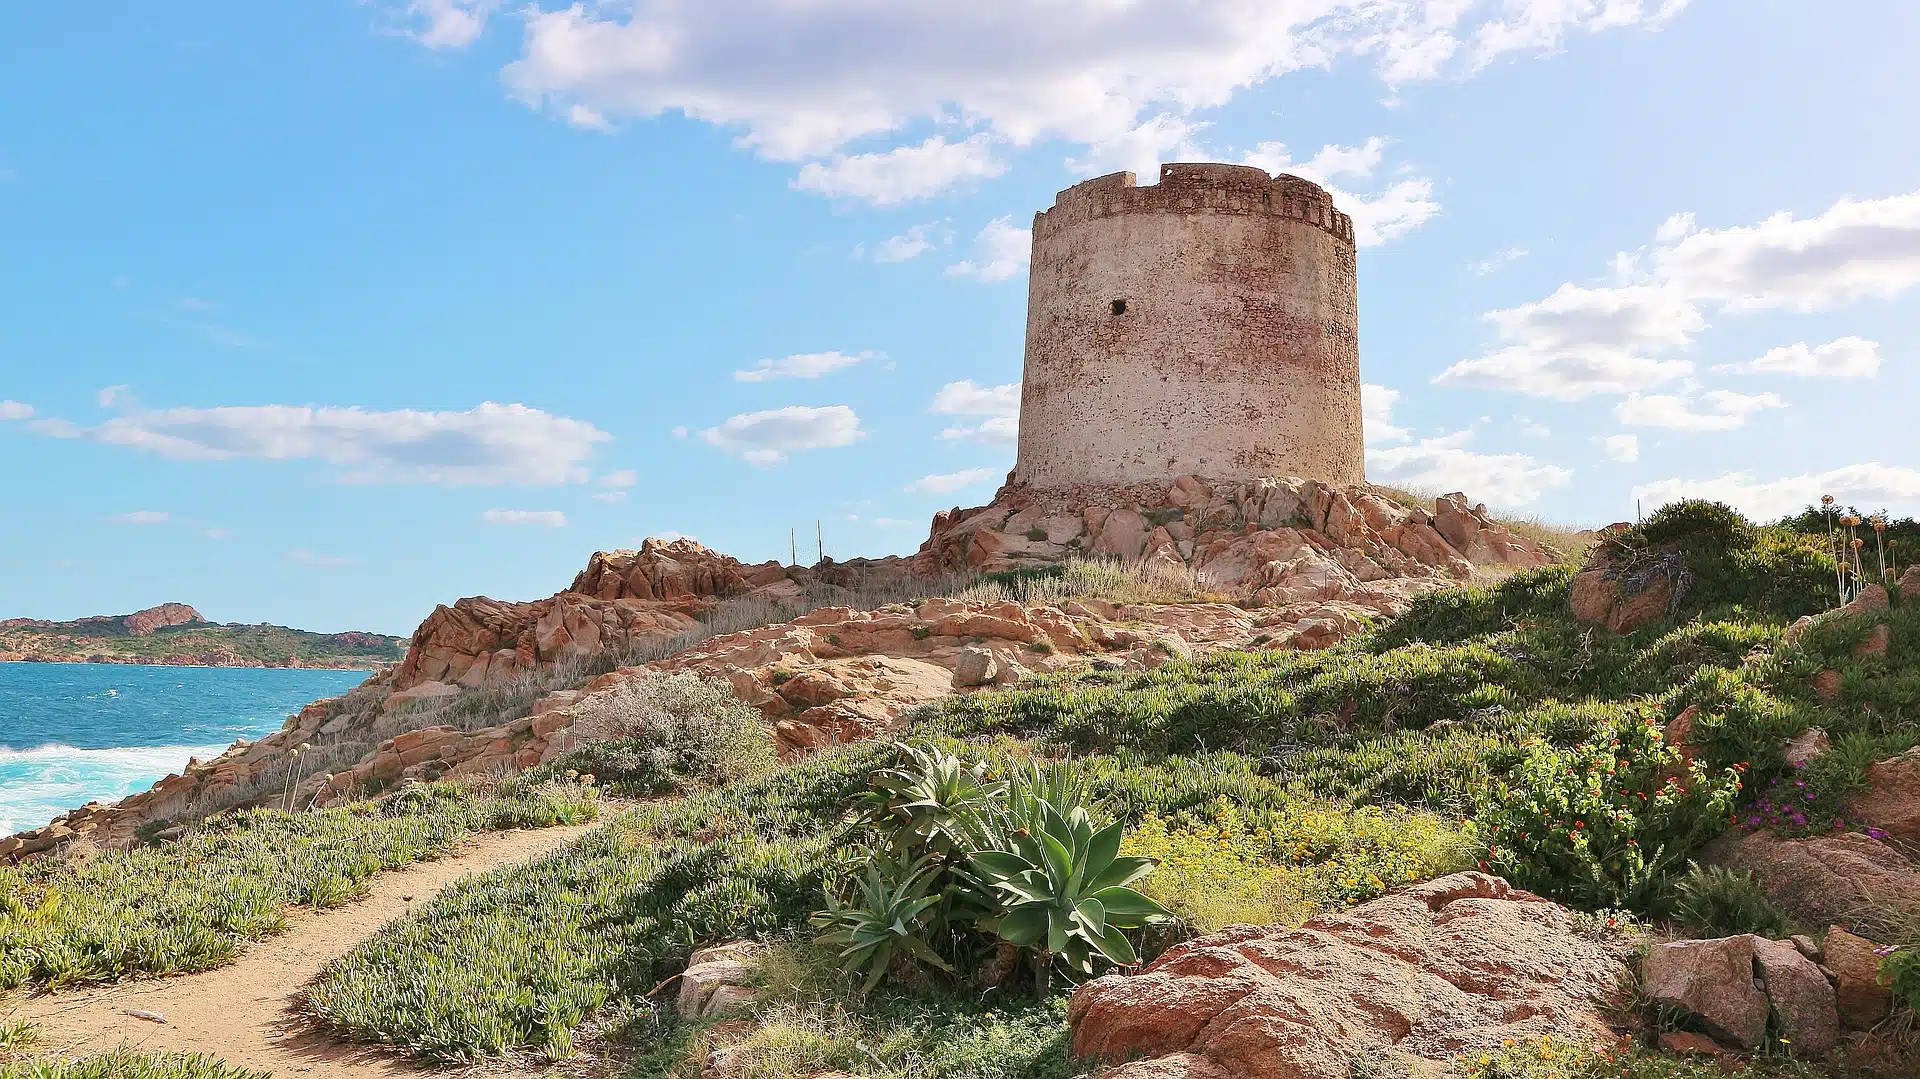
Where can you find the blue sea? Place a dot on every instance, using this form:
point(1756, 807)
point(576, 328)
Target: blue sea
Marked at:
point(72, 733)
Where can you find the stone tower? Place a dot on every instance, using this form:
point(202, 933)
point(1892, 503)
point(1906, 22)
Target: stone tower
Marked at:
point(1207, 325)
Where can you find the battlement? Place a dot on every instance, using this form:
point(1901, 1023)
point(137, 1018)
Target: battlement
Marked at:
point(1197, 188)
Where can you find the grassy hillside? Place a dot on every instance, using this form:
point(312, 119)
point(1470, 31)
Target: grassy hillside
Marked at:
point(1485, 726)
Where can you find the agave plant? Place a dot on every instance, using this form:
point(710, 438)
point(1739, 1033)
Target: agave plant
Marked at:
point(1064, 889)
point(931, 801)
point(890, 909)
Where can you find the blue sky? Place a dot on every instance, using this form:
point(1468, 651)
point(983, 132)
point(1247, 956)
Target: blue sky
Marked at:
point(322, 313)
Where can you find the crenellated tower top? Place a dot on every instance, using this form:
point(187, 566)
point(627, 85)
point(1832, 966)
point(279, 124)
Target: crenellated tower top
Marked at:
point(1198, 189)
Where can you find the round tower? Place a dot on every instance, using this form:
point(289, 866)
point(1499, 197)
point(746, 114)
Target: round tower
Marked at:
point(1207, 325)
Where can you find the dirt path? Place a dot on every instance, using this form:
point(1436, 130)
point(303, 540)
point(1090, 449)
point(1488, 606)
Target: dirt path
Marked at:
point(243, 1012)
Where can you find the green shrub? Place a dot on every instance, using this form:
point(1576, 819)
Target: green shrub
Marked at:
point(1219, 865)
point(1900, 971)
point(665, 732)
point(1607, 823)
point(126, 1063)
point(1715, 901)
point(191, 905)
point(1554, 1058)
point(1456, 614)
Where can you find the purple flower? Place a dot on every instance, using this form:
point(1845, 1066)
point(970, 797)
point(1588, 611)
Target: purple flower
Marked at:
point(1877, 833)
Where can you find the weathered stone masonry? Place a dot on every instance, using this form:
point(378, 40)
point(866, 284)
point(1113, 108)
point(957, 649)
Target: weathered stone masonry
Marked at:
point(1207, 326)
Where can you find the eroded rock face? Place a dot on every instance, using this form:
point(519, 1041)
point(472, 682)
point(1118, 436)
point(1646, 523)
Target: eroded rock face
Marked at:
point(1862, 1000)
point(1824, 879)
point(1273, 540)
point(1891, 801)
point(1712, 982)
point(1802, 998)
point(1457, 964)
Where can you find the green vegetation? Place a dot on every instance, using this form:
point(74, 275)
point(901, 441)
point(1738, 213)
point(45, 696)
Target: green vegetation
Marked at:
point(1484, 726)
point(103, 915)
point(109, 641)
point(663, 733)
point(1546, 1058)
point(127, 1064)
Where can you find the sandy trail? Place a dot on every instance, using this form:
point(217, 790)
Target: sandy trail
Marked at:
point(243, 1012)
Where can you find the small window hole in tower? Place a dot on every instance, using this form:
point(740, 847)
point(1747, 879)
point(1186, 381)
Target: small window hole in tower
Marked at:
point(1119, 307)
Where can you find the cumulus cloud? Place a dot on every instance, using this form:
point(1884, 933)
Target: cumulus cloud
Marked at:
point(948, 482)
point(449, 24)
point(490, 444)
point(15, 410)
point(536, 518)
point(1000, 251)
point(1848, 357)
point(1403, 206)
point(1485, 266)
point(1610, 337)
point(999, 404)
point(802, 365)
point(905, 173)
point(1892, 487)
point(1376, 414)
point(1447, 464)
point(906, 246)
point(141, 517)
point(1716, 410)
point(1851, 251)
point(803, 81)
point(1622, 448)
point(614, 485)
point(766, 437)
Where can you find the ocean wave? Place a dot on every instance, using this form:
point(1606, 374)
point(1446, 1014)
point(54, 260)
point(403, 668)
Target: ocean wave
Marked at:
point(39, 783)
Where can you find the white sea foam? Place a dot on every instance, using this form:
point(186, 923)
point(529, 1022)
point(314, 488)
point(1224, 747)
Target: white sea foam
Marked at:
point(39, 783)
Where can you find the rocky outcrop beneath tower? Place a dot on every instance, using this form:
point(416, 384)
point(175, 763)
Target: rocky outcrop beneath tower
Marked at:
point(1270, 541)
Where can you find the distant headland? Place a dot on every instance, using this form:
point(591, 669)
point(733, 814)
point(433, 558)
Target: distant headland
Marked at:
point(174, 634)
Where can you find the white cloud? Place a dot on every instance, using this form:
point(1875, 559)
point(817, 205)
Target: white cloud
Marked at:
point(15, 410)
point(998, 430)
point(964, 398)
point(1496, 260)
point(765, 438)
point(610, 496)
point(1446, 464)
point(1142, 147)
point(142, 517)
point(309, 558)
point(680, 431)
point(625, 477)
point(115, 397)
point(1717, 410)
point(1000, 251)
point(537, 518)
point(670, 536)
point(948, 482)
point(1610, 335)
point(1848, 357)
point(1532, 428)
point(802, 81)
point(801, 365)
point(1584, 341)
point(1405, 205)
point(1852, 251)
point(588, 119)
point(219, 533)
point(1895, 488)
point(449, 24)
point(490, 444)
point(1000, 404)
point(1622, 448)
point(1565, 374)
point(905, 173)
point(1376, 414)
point(907, 246)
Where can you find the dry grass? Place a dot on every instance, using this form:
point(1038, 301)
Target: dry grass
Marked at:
point(1564, 541)
point(1151, 581)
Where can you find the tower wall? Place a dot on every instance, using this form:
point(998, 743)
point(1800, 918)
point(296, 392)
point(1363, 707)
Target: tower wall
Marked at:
point(1237, 353)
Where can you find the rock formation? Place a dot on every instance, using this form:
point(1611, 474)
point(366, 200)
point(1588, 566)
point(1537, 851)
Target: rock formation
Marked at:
point(1305, 564)
point(1455, 965)
point(1271, 541)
